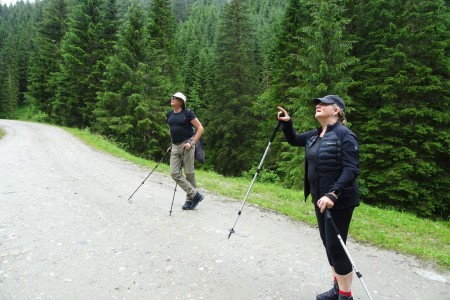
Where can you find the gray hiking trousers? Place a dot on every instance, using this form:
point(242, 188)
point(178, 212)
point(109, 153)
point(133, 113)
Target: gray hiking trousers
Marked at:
point(183, 158)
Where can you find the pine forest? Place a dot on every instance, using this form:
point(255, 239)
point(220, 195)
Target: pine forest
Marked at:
point(110, 67)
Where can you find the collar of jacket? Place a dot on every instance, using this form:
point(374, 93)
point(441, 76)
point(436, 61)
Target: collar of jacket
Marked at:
point(329, 127)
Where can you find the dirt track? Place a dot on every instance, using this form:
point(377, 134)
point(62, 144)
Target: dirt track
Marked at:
point(67, 231)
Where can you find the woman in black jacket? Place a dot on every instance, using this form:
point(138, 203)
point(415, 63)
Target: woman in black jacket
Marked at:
point(331, 168)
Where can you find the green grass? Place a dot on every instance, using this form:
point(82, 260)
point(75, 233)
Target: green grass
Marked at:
point(384, 228)
point(2, 133)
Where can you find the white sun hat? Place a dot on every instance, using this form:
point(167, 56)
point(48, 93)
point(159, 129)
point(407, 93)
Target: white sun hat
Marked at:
point(180, 96)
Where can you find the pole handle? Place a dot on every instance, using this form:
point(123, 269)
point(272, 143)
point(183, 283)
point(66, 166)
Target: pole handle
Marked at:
point(276, 129)
point(329, 217)
point(275, 132)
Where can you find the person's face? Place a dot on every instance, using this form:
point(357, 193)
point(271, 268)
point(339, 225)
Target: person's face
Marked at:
point(174, 101)
point(324, 110)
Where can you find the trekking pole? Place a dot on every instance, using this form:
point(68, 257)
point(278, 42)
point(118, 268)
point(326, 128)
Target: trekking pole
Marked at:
point(168, 150)
point(256, 174)
point(329, 217)
point(176, 182)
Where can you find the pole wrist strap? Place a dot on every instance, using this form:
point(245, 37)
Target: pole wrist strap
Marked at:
point(331, 196)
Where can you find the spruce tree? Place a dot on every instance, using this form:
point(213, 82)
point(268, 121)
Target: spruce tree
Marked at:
point(402, 104)
point(164, 53)
point(83, 52)
point(231, 118)
point(196, 37)
point(9, 83)
point(46, 58)
point(282, 69)
point(181, 8)
point(125, 111)
point(266, 16)
point(21, 22)
point(312, 59)
point(3, 36)
point(203, 80)
point(107, 39)
point(15, 44)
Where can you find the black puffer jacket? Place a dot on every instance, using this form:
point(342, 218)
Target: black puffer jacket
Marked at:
point(337, 161)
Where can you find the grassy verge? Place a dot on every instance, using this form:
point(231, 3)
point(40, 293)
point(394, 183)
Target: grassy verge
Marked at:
point(2, 133)
point(388, 229)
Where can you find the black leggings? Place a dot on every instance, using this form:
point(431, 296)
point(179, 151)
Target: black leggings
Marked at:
point(335, 252)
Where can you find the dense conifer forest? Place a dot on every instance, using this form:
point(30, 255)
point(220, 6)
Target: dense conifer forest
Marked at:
point(110, 66)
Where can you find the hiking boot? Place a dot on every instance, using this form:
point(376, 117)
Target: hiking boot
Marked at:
point(196, 200)
point(187, 205)
point(332, 294)
point(342, 297)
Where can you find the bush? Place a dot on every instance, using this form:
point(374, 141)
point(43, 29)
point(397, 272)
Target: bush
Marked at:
point(266, 176)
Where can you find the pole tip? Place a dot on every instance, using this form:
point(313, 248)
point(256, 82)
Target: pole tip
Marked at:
point(231, 232)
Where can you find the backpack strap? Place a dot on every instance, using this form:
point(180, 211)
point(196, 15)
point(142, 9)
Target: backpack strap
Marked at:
point(168, 115)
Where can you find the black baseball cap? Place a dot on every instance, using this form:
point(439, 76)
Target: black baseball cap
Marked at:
point(331, 99)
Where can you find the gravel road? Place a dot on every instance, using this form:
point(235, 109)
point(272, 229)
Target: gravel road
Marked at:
point(67, 231)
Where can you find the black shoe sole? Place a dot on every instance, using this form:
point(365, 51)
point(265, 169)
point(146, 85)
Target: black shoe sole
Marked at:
point(186, 208)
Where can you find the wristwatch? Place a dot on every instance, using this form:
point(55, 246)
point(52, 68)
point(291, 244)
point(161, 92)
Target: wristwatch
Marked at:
point(192, 143)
